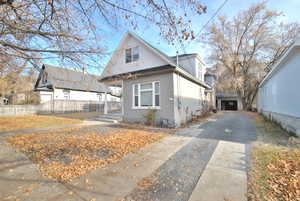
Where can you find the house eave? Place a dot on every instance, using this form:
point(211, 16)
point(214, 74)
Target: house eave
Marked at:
point(152, 71)
point(277, 66)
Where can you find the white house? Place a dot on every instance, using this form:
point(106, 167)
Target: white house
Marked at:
point(172, 86)
point(55, 83)
point(279, 95)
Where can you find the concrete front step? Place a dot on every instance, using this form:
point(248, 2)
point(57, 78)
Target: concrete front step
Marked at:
point(107, 120)
point(112, 118)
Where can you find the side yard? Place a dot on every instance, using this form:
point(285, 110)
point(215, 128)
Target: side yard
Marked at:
point(275, 164)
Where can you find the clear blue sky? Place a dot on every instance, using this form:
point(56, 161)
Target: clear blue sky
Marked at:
point(290, 8)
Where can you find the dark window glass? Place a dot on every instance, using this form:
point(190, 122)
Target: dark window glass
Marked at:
point(135, 54)
point(136, 101)
point(128, 55)
point(156, 100)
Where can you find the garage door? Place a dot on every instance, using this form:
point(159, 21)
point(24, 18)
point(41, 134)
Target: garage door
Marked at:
point(229, 105)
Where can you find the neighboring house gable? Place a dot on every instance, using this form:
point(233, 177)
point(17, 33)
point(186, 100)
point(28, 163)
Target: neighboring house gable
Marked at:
point(52, 76)
point(55, 83)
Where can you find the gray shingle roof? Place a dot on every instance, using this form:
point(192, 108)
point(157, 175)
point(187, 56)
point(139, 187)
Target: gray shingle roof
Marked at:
point(69, 79)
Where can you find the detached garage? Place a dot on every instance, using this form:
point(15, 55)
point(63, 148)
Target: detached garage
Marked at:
point(228, 101)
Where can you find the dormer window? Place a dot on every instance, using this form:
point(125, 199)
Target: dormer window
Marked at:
point(131, 54)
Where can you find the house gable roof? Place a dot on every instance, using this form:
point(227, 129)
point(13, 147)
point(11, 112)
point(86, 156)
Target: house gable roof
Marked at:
point(164, 61)
point(68, 79)
point(149, 57)
point(281, 61)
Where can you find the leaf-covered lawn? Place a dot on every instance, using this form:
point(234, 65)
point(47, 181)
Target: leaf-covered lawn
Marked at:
point(275, 174)
point(275, 169)
point(36, 121)
point(64, 157)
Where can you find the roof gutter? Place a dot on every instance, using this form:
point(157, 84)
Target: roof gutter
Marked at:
point(157, 70)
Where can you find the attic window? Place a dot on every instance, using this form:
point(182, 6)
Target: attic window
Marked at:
point(131, 54)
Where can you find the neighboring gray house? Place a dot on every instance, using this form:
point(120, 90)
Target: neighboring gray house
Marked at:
point(55, 83)
point(173, 86)
point(278, 96)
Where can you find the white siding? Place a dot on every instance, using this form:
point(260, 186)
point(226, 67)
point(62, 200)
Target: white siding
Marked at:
point(280, 94)
point(46, 96)
point(188, 98)
point(147, 58)
point(75, 95)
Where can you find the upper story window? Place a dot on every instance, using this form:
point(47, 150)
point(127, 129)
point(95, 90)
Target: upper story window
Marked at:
point(131, 54)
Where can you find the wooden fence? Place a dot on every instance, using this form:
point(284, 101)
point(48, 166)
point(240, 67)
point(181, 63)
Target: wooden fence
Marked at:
point(58, 106)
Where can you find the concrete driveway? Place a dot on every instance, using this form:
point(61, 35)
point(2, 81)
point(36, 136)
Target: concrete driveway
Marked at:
point(207, 161)
point(211, 167)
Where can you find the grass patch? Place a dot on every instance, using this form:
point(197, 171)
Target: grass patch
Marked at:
point(36, 121)
point(64, 157)
point(275, 174)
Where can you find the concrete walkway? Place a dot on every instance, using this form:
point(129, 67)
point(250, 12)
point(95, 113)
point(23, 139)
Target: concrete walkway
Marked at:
point(225, 176)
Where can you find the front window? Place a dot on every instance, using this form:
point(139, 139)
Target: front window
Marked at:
point(146, 95)
point(131, 54)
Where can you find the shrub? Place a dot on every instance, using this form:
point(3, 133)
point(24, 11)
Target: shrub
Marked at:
point(151, 117)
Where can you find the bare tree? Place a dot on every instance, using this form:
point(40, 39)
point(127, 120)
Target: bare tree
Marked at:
point(246, 47)
point(70, 30)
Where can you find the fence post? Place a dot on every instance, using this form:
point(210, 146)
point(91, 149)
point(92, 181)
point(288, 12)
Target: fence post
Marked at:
point(105, 103)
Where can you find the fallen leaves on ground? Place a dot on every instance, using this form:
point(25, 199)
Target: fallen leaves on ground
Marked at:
point(146, 182)
point(275, 174)
point(64, 157)
point(35, 121)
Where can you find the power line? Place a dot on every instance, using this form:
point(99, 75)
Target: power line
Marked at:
point(210, 19)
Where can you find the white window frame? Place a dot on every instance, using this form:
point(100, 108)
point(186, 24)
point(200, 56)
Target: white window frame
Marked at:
point(131, 54)
point(139, 96)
